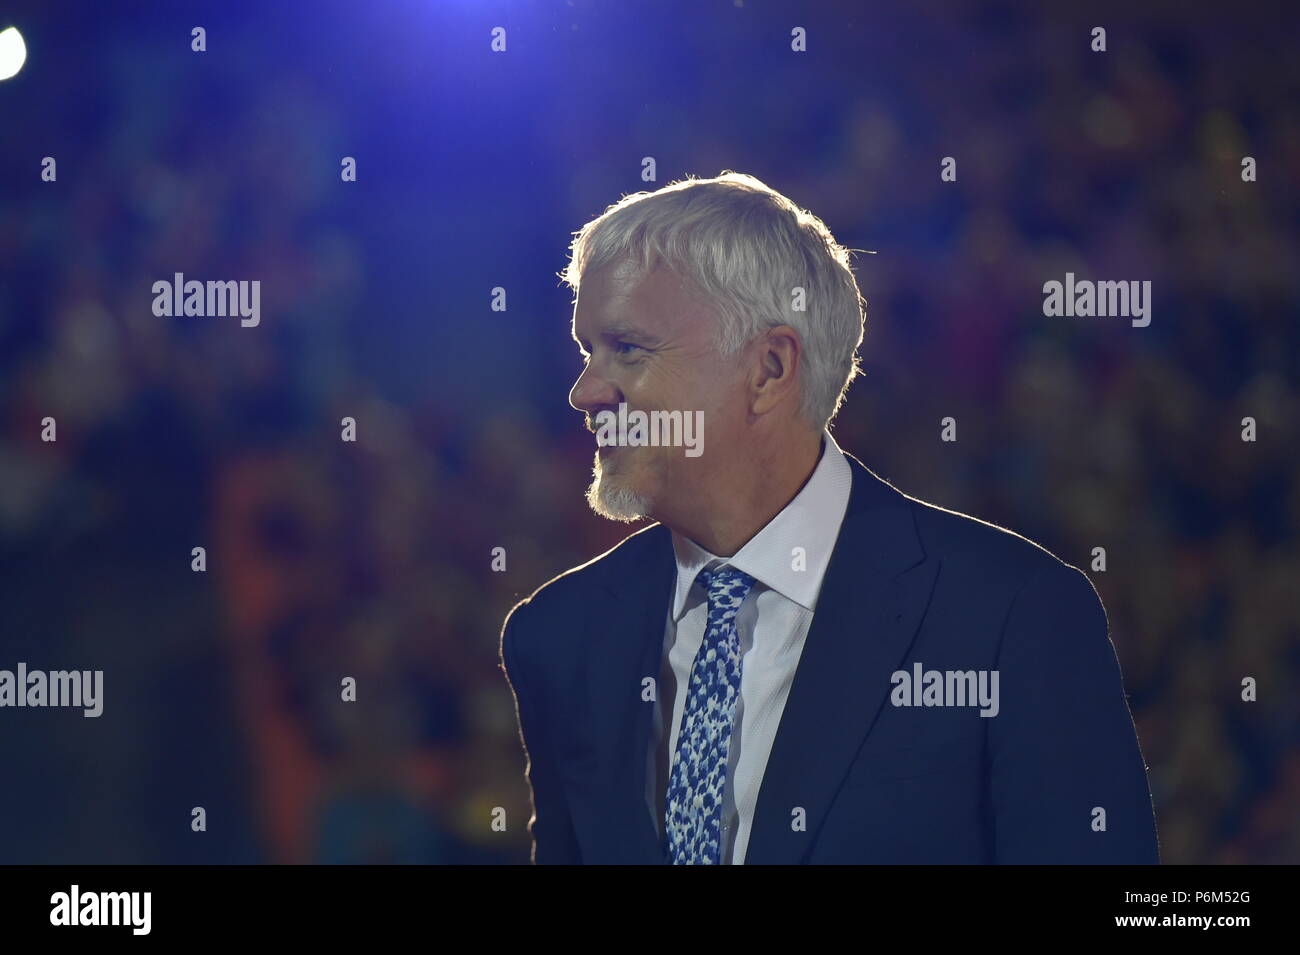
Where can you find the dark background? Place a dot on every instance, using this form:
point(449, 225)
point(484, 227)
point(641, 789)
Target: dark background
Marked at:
point(373, 559)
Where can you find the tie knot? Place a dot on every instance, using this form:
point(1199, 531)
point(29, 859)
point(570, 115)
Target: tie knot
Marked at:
point(725, 584)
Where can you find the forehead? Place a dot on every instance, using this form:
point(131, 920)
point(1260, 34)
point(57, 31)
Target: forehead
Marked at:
point(660, 303)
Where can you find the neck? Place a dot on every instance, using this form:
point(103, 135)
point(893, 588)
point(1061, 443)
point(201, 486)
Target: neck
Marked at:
point(758, 489)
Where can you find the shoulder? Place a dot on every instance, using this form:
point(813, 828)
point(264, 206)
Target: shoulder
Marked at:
point(1020, 575)
point(975, 548)
point(553, 605)
point(967, 539)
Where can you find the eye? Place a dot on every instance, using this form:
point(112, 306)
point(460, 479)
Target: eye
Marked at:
point(626, 348)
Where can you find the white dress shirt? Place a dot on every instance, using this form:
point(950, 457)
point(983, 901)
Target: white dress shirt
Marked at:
point(773, 624)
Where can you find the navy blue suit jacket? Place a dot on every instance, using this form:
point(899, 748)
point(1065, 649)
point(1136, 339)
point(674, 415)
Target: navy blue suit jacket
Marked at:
point(1056, 776)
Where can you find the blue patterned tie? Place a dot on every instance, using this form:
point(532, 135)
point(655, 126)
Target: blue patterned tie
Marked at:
point(693, 811)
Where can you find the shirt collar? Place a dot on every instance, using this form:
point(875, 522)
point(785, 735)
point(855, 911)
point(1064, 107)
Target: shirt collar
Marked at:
point(811, 521)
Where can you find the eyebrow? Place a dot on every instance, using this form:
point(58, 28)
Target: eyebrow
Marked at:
point(622, 332)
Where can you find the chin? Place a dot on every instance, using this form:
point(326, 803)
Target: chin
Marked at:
point(616, 502)
point(613, 499)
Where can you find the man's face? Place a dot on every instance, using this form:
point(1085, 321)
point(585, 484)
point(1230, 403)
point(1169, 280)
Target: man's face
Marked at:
point(650, 344)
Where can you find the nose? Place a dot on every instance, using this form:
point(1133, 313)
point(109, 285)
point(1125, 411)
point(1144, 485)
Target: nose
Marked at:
point(593, 392)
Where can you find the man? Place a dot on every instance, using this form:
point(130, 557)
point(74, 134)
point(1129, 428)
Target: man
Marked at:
point(797, 663)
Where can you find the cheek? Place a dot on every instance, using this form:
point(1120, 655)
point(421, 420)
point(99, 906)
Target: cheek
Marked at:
point(699, 384)
point(652, 463)
point(671, 380)
point(720, 387)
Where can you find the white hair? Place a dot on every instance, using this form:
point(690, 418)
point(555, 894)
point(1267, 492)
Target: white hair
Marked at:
point(746, 248)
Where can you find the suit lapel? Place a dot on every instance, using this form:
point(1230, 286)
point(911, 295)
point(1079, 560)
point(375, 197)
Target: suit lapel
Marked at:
point(625, 635)
point(875, 592)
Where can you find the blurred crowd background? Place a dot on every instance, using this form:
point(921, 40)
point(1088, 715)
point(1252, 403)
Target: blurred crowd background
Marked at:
point(374, 560)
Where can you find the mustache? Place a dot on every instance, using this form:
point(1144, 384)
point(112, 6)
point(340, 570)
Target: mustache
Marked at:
point(589, 420)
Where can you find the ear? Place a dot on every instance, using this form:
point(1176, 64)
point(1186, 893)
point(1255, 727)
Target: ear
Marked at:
point(775, 366)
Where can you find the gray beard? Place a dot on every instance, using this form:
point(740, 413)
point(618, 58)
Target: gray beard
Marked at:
point(611, 500)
